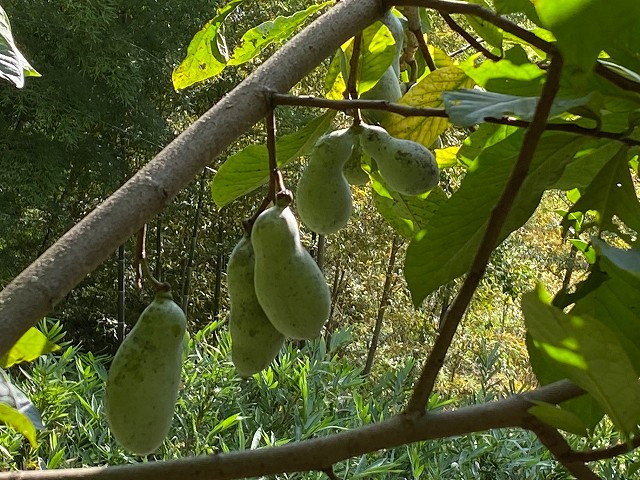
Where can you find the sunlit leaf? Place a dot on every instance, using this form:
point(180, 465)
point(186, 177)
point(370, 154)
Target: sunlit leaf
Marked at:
point(559, 418)
point(446, 249)
point(446, 157)
point(589, 354)
point(29, 347)
point(206, 53)
point(276, 30)
point(487, 30)
point(249, 169)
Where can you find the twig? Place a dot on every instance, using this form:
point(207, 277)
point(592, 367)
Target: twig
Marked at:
point(434, 362)
point(352, 89)
point(317, 453)
point(142, 266)
point(617, 79)
point(424, 49)
point(468, 37)
point(604, 453)
point(558, 446)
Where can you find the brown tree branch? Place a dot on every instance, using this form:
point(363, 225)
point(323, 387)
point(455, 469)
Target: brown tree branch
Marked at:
point(408, 111)
point(424, 49)
point(454, 315)
point(317, 453)
point(469, 38)
point(558, 446)
point(604, 453)
point(33, 294)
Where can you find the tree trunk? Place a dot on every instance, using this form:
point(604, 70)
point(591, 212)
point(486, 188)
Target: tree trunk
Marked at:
point(384, 300)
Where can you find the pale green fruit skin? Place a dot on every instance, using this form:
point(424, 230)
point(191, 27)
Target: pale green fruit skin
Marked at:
point(143, 381)
point(254, 340)
point(387, 88)
point(323, 196)
point(289, 285)
point(406, 166)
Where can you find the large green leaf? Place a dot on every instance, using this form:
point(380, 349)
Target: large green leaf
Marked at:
point(589, 354)
point(29, 347)
point(406, 214)
point(446, 249)
point(249, 169)
point(377, 54)
point(426, 93)
point(612, 193)
point(514, 6)
point(276, 30)
point(559, 418)
point(206, 53)
point(581, 171)
point(585, 27)
point(509, 76)
point(13, 66)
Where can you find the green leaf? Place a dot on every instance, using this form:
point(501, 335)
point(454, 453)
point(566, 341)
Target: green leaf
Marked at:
point(29, 347)
point(503, 7)
point(589, 354)
point(559, 418)
point(206, 53)
point(610, 302)
point(594, 22)
point(426, 93)
point(406, 214)
point(468, 107)
point(446, 249)
point(582, 170)
point(276, 30)
point(13, 418)
point(13, 66)
point(249, 169)
point(487, 30)
point(377, 54)
point(507, 75)
point(612, 193)
point(584, 407)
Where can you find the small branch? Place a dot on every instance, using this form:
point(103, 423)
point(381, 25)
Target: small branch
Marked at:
point(463, 49)
point(142, 266)
point(468, 37)
point(271, 148)
point(558, 446)
point(424, 49)
point(317, 453)
point(616, 78)
point(604, 453)
point(345, 105)
point(352, 89)
point(434, 362)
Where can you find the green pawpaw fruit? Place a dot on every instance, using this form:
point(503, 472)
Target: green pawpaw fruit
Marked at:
point(406, 166)
point(143, 381)
point(289, 285)
point(323, 196)
point(352, 170)
point(387, 88)
point(254, 340)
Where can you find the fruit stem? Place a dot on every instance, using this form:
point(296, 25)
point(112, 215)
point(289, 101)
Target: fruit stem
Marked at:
point(142, 266)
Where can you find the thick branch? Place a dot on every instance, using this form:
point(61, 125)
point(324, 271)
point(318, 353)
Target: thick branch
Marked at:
point(320, 453)
point(43, 284)
point(434, 362)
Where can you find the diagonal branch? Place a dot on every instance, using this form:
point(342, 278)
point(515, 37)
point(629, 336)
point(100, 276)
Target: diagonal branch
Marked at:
point(317, 453)
point(558, 446)
point(454, 315)
point(469, 38)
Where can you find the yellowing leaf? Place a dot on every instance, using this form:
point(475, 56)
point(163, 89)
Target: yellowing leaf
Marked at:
point(426, 93)
point(446, 157)
point(30, 346)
